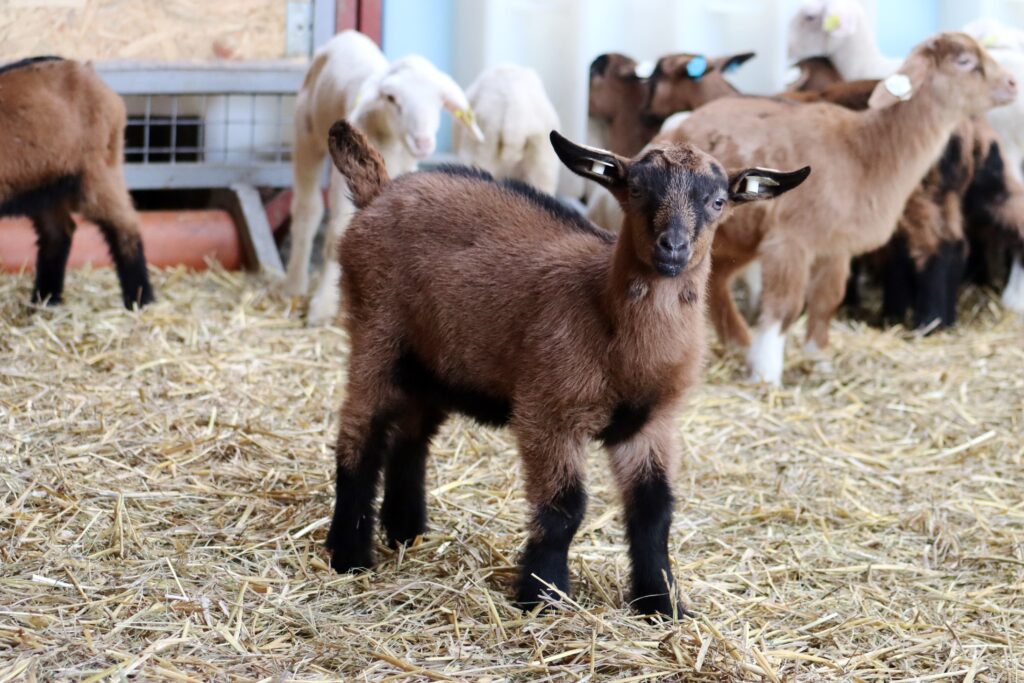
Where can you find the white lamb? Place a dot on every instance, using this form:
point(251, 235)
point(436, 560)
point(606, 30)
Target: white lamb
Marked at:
point(398, 107)
point(516, 117)
point(841, 31)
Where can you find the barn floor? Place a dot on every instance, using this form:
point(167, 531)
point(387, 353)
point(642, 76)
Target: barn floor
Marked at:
point(167, 482)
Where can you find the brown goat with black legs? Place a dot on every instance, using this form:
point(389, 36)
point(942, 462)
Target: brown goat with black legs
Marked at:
point(491, 299)
point(62, 150)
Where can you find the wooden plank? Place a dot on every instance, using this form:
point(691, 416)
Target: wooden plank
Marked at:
point(370, 20)
point(346, 15)
point(243, 203)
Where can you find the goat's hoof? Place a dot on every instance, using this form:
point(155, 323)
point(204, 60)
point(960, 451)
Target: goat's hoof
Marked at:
point(533, 592)
point(347, 562)
point(660, 604)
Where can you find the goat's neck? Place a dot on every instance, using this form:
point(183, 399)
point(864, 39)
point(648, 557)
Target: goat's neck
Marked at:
point(649, 313)
point(899, 144)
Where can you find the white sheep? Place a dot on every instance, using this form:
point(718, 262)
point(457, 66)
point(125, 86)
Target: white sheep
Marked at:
point(841, 31)
point(516, 117)
point(398, 107)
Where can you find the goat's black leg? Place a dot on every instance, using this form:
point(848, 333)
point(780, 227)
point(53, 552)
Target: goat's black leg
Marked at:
point(648, 518)
point(54, 228)
point(362, 441)
point(899, 282)
point(938, 287)
point(404, 510)
point(546, 558)
point(957, 275)
point(130, 261)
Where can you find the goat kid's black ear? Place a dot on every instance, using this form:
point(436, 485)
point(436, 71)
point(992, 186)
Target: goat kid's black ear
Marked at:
point(755, 184)
point(603, 167)
point(732, 62)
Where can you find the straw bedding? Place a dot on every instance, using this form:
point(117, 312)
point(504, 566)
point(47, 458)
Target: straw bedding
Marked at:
point(166, 488)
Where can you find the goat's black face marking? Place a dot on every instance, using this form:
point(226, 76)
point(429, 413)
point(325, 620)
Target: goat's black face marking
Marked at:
point(678, 202)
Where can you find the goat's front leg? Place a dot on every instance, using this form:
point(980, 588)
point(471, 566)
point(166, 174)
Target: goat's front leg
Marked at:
point(324, 305)
point(556, 492)
point(307, 210)
point(644, 466)
point(785, 269)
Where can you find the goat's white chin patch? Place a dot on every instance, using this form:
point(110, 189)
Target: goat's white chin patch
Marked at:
point(766, 354)
point(1013, 295)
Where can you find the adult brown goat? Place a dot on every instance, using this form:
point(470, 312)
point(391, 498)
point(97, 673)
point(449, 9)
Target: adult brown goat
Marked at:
point(491, 299)
point(62, 150)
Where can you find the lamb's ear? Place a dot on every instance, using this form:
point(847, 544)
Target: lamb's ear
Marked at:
point(730, 63)
point(754, 184)
point(455, 101)
point(603, 167)
point(902, 85)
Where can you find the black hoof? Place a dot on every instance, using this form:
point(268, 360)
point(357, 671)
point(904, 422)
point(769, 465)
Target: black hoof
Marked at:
point(402, 523)
point(533, 592)
point(660, 604)
point(347, 556)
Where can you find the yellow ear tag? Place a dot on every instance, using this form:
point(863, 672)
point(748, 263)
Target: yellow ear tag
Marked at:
point(989, 40)
point(355, 103)
point(831, 23)
point(465, 116)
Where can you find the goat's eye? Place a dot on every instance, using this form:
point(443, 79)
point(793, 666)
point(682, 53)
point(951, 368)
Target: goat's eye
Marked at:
point(391, 98)
point(966, 61)
point(719, 204)
point(635, 192)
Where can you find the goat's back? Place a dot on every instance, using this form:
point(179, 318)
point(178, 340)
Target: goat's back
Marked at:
point(461, 268)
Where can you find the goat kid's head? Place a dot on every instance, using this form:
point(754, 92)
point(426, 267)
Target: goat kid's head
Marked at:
point(616, 81)
point(406, 102)
point(684, 82)
point(956, 70)
point(673, 196)
point(821, 27)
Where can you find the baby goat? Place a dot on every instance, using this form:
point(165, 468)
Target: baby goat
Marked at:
point(61, 151)
point(489, 298)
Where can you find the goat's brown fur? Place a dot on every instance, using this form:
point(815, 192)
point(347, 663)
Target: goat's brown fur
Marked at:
point(673, 90)
point(465, 294)
point(872, 161)
point(61, 151)
point(616, 100)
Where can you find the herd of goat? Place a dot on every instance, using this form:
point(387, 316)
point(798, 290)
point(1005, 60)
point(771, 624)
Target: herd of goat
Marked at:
point(472, 289)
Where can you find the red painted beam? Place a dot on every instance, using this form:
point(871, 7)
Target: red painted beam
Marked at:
point(170, 238)
point(346, 15)
point(370, 20)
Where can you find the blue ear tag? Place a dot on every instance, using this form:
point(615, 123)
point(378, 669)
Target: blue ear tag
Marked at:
point(696, 67)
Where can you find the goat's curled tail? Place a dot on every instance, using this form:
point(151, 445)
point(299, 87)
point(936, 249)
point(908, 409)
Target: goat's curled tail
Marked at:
point(357, 160)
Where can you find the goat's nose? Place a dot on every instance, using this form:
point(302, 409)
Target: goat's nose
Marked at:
point(670, 242)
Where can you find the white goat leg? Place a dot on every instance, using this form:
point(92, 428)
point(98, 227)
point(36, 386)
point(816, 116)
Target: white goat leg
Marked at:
point(1013, 295)
point(307, 212)
point(767, 353)
point(324, 305)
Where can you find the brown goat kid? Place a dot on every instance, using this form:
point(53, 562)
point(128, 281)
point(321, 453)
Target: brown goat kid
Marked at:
point(633, 107)
point(491, 299)
point(867, 166)
point(61, 151)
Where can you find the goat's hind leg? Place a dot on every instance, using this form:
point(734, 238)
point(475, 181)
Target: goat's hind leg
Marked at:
point(54, 228)
point(403, 513)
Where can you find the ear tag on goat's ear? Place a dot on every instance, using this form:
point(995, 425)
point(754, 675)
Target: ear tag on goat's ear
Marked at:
point(696, 67)
point(899, 86)
point(754, 183)
point(597, 167)
point(831, 22)
point(645, 70)
point(989, 40)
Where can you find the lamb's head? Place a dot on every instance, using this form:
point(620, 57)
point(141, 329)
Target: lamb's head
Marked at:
point(615, 85)
point(684, 82)
point(673, 197)
point(822, 27)
point(955, 71)
point(405, 103)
